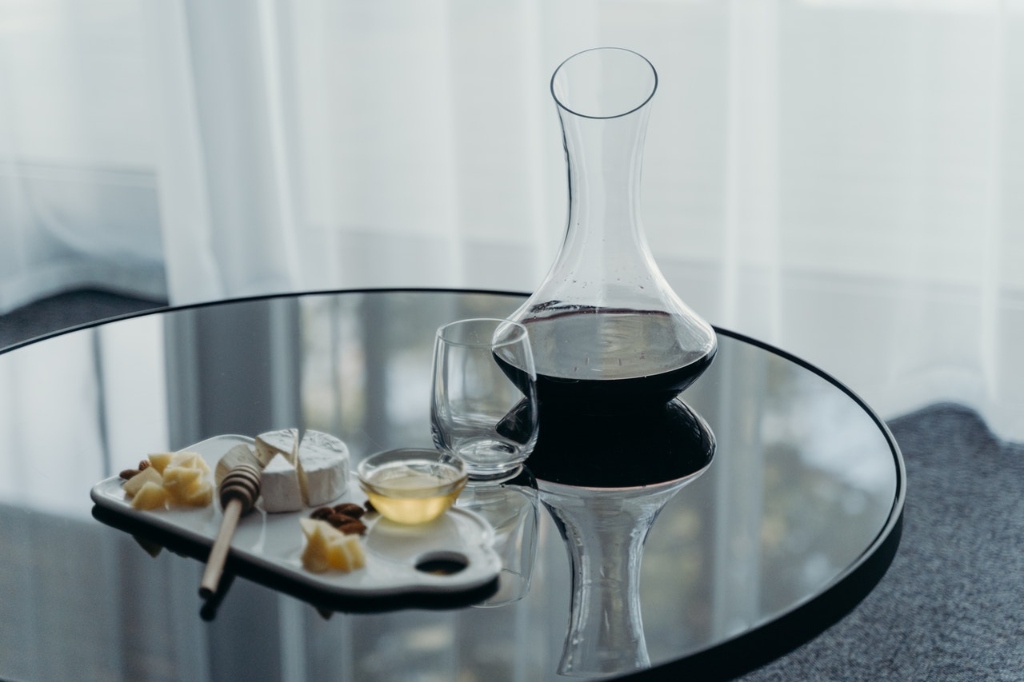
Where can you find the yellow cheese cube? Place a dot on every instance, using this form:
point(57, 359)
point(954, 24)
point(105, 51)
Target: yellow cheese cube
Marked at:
point(180, 479)
point(337, 557)
point(200, 495)
point(355, 548)
point(314, 559)
point(134, 484)
point(160, 460)
point(150, 496)
point(328, 548)
point(311, 526)
point(345, 553)
point(190, 459)
point(314, 556)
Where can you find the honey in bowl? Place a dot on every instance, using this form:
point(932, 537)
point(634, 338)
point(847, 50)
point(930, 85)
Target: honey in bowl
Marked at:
point(412, 486)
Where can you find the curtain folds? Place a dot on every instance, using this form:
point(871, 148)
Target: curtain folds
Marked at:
point(840, 179)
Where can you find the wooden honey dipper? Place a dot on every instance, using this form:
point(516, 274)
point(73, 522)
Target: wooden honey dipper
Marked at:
point(238, 493)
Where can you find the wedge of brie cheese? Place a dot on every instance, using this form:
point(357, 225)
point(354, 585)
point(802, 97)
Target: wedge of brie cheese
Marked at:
point(282, 442)
point(279, 486)
point(240, 454)
point(323, 468)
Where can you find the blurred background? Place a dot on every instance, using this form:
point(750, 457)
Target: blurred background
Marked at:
point(842, 179)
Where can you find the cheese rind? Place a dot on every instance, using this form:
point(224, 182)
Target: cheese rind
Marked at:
point(323, 468)
point(281, 442)
point(279, 486)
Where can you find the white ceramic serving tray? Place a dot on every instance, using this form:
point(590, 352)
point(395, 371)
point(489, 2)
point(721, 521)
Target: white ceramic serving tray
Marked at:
point(273, 543)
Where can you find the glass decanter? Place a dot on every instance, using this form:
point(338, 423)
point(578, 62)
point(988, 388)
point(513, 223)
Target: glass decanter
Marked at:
point(608, 333)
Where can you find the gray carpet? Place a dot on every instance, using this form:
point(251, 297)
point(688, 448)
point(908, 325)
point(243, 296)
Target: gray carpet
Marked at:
point(951, 606)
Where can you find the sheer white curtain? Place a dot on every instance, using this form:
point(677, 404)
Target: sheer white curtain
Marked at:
point(77, 193)
point(841, 179)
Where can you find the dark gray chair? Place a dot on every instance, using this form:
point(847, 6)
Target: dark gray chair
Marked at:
point(951, 607)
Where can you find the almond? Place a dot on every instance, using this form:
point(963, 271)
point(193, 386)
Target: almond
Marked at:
point(352, 527)
point(349, 509)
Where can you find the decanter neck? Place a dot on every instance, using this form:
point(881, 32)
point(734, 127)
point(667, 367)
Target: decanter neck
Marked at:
point(604, 157)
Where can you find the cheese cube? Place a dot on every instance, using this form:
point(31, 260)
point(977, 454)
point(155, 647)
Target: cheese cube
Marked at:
point(345, 553)
point(199, 495)
point(159, 460)
point(327, 548)
point(280, 486)
point(192, 460)
point(323, 468)
point(180, 480)
point(134, 484)
point(282, 442)
point(311, 526)
point(150, 496)
point(314, 556)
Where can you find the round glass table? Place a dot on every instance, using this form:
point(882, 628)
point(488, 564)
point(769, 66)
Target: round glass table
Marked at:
point(795, 519)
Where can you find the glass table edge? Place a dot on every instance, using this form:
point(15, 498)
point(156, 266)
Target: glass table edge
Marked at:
point(771, 639)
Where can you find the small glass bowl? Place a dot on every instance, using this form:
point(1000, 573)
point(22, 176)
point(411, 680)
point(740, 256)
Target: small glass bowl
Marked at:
point(412, 485)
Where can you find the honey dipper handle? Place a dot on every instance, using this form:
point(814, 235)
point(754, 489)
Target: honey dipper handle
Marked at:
point(219, 553)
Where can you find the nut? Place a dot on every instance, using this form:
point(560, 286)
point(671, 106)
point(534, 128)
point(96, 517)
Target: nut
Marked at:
point(128, 473)
point(143, 464)
point(321, 513)
point(336, 519)
point(349, 509)
point(352, 527)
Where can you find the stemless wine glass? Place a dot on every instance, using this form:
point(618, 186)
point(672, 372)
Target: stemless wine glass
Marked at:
point(484, 402)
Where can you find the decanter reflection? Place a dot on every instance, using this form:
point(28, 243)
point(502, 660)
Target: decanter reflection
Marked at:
point(604, 483)
point(608, 333)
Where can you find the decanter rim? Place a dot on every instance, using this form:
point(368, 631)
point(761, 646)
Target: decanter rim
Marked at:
point(564, 107)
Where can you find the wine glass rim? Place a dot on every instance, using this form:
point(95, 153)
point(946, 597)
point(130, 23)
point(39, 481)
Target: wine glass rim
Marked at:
point(641, 105)
point(521, 334)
